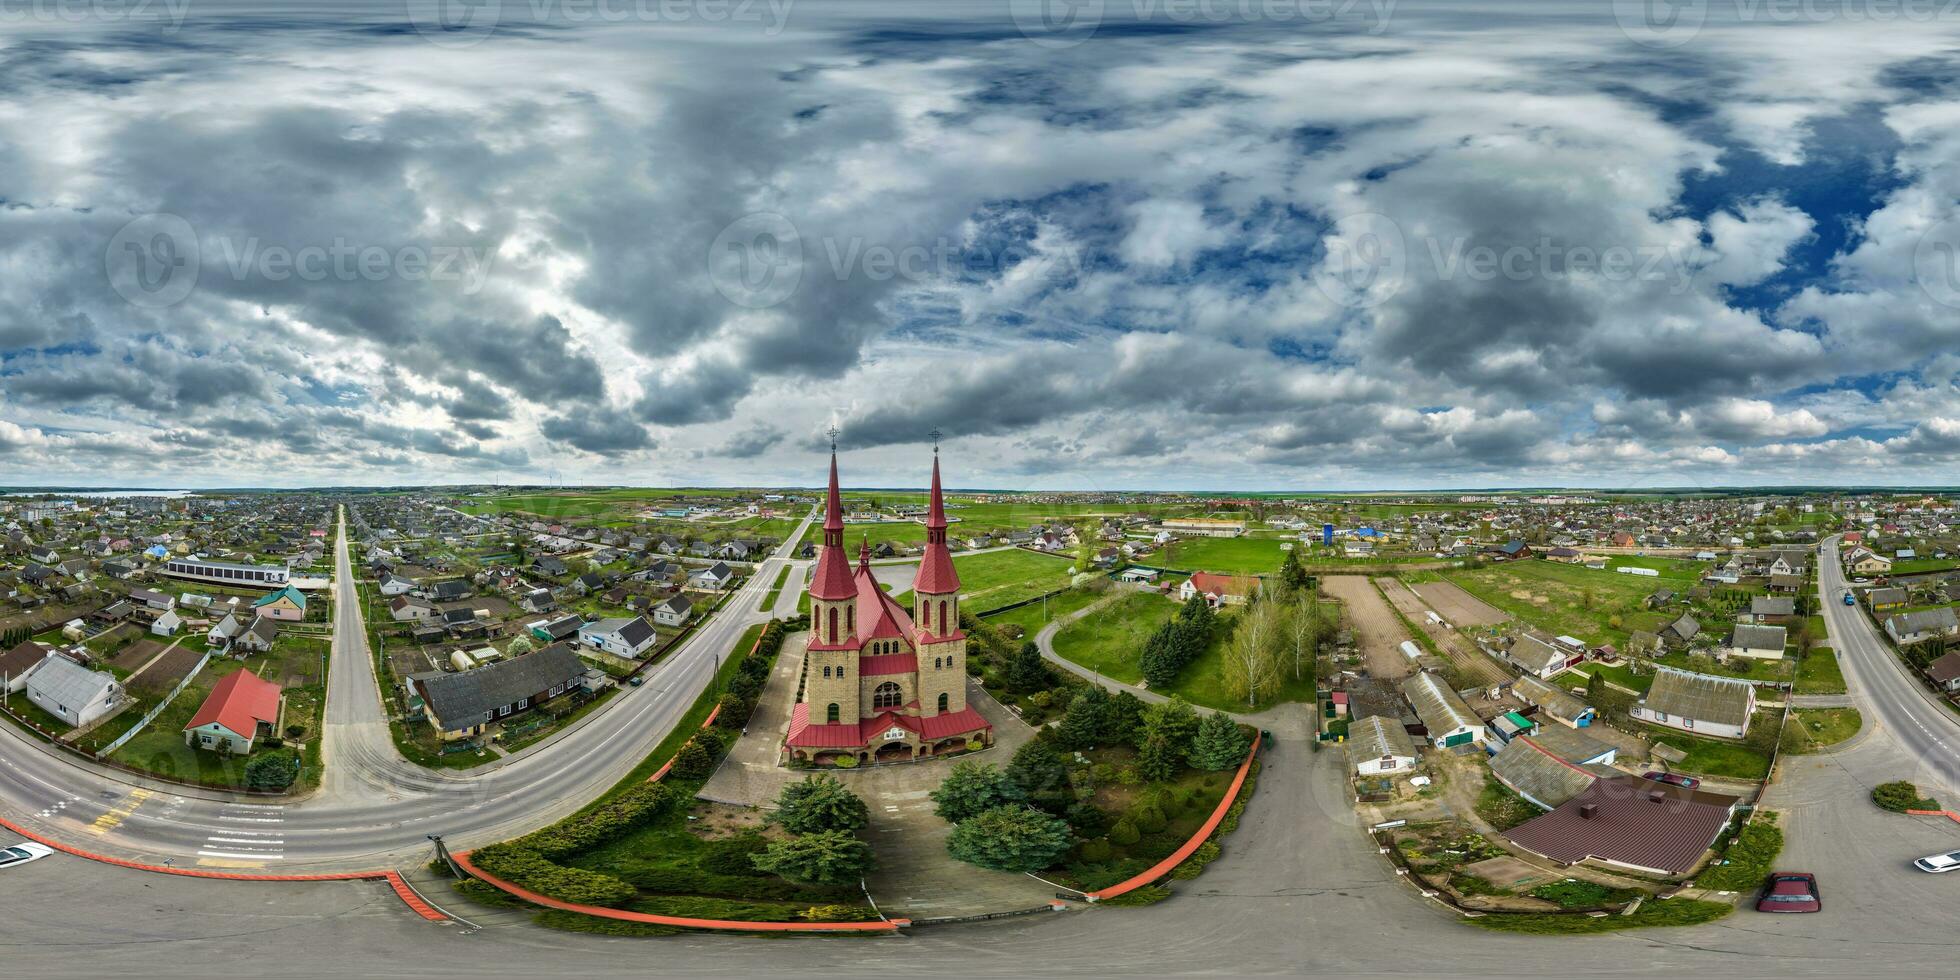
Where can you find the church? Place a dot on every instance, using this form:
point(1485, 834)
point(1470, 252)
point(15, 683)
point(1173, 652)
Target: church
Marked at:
point(882, 683)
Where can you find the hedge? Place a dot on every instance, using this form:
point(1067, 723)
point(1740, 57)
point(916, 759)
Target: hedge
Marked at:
point(525, 868)
point(1900, 796)
point(603, 824)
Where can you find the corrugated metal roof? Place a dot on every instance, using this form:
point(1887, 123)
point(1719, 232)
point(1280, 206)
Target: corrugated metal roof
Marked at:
point(1634, 822)
point(1440, 709)
point(1378, 736)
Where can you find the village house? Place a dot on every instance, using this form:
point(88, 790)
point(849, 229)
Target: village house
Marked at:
point(626, 638)
point(287, 605)
point(1922, 625)
point(239, 711)
point(466, 703)
point(1759, 642)
point(1701, 703)
point(71, 692)
point(1218, 590)
point(674, 612)
point(1448, 720)
point(1379, 745)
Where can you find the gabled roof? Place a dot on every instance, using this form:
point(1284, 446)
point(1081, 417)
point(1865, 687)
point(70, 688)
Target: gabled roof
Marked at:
point(462, 699)
point(1938, 619)
point(1377, 736)
point(1634, 822)
point(1541, 773)
point(298, 597)
point(65, 681)
point(1439, 707)
point(1703, 697)
point(239, 703)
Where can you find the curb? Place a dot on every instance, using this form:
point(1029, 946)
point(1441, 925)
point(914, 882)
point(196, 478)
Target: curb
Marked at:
point(393, 878)
point(1197, 840)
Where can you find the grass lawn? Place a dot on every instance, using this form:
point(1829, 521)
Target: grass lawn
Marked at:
point(1232, 556)
point(1032, 617)
point(296, 663)
point(1652, 914)
point(1675, 571)
point(1595, 606)
point(1819, 673)
point(1715, 757)
point(1619, 674)
point(1111, 640)
point(1001, 578)
point(1915, 565)
point(1812, 729)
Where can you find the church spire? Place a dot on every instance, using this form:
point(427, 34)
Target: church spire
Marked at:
point(832, 576)
point(936, 573)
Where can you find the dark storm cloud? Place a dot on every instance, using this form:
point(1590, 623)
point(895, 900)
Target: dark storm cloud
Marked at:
point(752, 442)
point(597, 430)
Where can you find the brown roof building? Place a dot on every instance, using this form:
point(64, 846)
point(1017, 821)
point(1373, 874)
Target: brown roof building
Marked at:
point(1631, 823)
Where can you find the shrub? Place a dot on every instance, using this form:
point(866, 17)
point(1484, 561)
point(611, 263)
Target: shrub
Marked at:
point(730, 855)
point(1124, 833)
point(1900, 796)
point(528, 869)
point(819, 803)
point(271, 770)
point(1094, 851)
point(1088, 819)
point(973, 788)
point(638, 805)
point(829, 857)
point(693, 761)
point(1149, 820)
point(831, 913)
point(1010, 838)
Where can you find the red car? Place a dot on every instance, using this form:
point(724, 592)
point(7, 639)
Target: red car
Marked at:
point(1790, 891)
point(1685, 782)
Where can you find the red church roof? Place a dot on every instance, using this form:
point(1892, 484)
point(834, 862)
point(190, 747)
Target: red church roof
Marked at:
point(831, 580)
point(881, 664)
point(880, 617)
point(239, 703)
point(804, 734)
point(936, 573)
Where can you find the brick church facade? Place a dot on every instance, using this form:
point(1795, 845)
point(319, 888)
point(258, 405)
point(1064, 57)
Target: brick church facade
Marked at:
point(881, 682)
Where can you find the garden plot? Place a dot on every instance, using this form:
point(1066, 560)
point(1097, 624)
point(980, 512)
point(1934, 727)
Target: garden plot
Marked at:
point(1376, 627)
point(1458, 607)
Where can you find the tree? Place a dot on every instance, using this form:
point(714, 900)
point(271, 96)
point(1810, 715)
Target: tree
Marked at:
point(973, 788)
point(1220, 743)
point(830, 857)
point(1175, 721)
point(1010, 838)
point(1252, 658)
point(1292, 576)
point(1082, 727)
point(1027, 672)
point(1157, 758)
point(1040, 774)
point(693, 761)
point(817, 804)
point(271, 770)
point(1121, 718)
point(520, 646)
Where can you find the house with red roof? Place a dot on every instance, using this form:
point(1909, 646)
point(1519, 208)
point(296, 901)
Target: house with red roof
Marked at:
point(1218, 590)
point(238, 712)
point(882, 682)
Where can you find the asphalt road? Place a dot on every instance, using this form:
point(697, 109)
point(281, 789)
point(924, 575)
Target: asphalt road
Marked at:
point(373, 808)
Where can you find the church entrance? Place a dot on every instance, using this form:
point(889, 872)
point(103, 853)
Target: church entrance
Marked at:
point(894, 752)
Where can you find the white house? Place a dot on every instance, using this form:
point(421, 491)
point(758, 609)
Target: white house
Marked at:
point(620, 637)
point(221, 635)
point(71, 692)
point(167, 624)
point(1699, 703)
point(1760, 642)
point(394, 585)
point(711, 578)
point(673, 612)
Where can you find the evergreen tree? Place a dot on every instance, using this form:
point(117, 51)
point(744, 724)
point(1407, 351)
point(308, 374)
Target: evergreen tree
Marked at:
point(974, 788)
point(1175, 721)
point(1121, 719)
point(817, 804)
point(1157, 760)
point(1041, 775)
point(693, 761)
point(1026, 672)
point(1083, 724)
point(830, 857)
point(1220, 743)
point(1010, 838)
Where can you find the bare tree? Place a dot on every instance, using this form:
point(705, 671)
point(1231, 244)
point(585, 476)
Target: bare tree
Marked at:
point(1252, 659)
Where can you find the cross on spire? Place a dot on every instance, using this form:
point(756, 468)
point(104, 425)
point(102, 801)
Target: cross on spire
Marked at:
point(935, 440)
point(833, 436)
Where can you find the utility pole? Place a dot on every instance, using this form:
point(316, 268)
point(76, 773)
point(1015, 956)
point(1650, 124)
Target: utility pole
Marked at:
point(443, 853)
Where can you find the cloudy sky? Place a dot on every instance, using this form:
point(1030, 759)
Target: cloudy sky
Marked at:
point(1120, 244)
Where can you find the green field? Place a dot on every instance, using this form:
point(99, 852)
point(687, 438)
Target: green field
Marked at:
point(1110, 642)
point(1595, 606)
point(1032, 617)
point(1674, 571)
point(1819, 673)
point(1715, 757)
point(1917, 565)
point(1813, 729)
point(993, 579)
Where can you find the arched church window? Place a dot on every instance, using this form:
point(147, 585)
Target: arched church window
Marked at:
point(886, 696)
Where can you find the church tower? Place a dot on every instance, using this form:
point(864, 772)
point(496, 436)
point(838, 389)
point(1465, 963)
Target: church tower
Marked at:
point(936, 611)
point(830, 676)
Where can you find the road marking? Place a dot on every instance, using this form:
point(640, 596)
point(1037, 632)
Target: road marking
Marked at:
point(226, 863)
point(113, 818)
point(223, 816)
point(245, 840)
point(240, 857)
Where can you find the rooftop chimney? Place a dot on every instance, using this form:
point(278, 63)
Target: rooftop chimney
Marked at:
point(1587, 811)
point(1656, 797)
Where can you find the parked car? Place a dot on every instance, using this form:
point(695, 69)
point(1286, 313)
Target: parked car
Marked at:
point(1938, 864)
point(1685, 782)
point(22, 853)
point(1790, 891)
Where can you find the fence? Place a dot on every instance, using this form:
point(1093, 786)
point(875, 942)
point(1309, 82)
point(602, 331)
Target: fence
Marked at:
point(156, 709)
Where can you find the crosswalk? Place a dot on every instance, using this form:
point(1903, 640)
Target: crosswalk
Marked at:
point(246, 836)
point(115, 815)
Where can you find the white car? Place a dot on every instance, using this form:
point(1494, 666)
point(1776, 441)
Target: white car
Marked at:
point(22, 853)
point(1938, 864)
